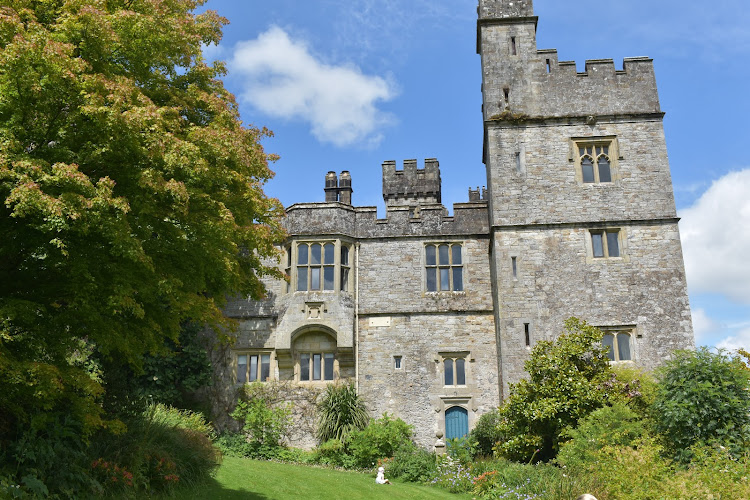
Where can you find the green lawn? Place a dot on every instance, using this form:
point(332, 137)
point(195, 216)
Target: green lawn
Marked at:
point(242, 478)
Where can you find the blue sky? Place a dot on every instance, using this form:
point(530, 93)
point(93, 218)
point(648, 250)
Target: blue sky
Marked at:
point(348, 84)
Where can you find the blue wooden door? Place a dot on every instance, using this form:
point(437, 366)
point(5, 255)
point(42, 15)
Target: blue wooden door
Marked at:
point(456, 422)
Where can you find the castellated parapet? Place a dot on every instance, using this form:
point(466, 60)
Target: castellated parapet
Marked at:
point(505, 8)
point(521, 83)
point(411, 186)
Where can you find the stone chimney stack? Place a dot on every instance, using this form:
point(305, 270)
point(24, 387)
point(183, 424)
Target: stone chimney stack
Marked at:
point(345, 188)
point(332, 187)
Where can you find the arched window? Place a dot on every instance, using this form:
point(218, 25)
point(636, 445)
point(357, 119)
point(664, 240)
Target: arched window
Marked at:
point(595, 162)
point(618, 343)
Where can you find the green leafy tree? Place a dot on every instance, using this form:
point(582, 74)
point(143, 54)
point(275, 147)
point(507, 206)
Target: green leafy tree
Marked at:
point(340, 412)
point(131, 193)
point(567, 381)
point(703, 398)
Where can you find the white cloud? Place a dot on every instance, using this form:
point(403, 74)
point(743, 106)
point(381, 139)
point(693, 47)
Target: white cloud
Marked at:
point(716, 240)
point(703, 326)
point(739, 341)
point(283, 79)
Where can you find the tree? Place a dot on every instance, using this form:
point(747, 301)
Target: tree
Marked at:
point(568, 379)
point(131, 193)
point(703, 398)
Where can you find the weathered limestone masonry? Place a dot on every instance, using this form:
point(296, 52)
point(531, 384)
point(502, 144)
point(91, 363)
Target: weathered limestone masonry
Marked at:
point(432, 316)
point(576, 160)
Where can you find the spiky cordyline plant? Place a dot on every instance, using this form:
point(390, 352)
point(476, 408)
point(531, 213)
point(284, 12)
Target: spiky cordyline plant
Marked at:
point(340, 412)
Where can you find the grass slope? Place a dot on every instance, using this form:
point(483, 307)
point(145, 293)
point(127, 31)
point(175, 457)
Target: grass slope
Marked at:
point(240, 478)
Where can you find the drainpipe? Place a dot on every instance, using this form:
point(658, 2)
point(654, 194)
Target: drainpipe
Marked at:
point(356, 317)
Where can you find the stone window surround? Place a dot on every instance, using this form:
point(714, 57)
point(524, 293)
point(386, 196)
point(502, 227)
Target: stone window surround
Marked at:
point(291, 249)
point(253, 352)
point(609, 141)
point(632, 331)
point(437, 266)
point(622, 238)
point(468, 359)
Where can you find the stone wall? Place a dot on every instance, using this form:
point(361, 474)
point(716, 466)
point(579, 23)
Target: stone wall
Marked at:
point(415, 393)
point(549, 189)
point(557, 277)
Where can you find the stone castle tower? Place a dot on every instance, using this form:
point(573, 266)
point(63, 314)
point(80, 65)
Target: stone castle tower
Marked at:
point(581, 212)
point(432, 316)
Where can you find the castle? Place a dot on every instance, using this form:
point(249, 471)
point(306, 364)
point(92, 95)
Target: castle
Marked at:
point(432, 316)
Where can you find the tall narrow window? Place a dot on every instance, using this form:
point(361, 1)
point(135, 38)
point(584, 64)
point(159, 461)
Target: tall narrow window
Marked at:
point(518, 162)
point(242, 368)
point(317, 362)
point(513, 49)
point(506, 95)
point(315, 260)
point(527, 334)
point(549, 66)
point(304, 367)
point(514, 265)
point(328, 267)
point(605, 243)
point(302, 262)
point(397, 362)
point(444, 268)
point(448, 366)
point(288, 268)
point(344, 267)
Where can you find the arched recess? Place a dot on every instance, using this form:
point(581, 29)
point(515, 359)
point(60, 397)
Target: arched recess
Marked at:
point(315, 355)
point(456, 422)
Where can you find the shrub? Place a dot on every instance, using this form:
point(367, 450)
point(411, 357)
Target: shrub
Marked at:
point(703, 398)
point(566, 383)
point(163, 447)
point(615, 425)
point(234, 444)
point(413, 464)
point(636, 388)
point(340, 412)
point(265, 423)
point(461, 449)
point(48, 459)
point(485, 433)
point(332, 452)
point(380, 439)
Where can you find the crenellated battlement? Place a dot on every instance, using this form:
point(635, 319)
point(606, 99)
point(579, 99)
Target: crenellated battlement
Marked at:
point(535, 83)
point(335, 219)
point(411, 186)
point(498, 9)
